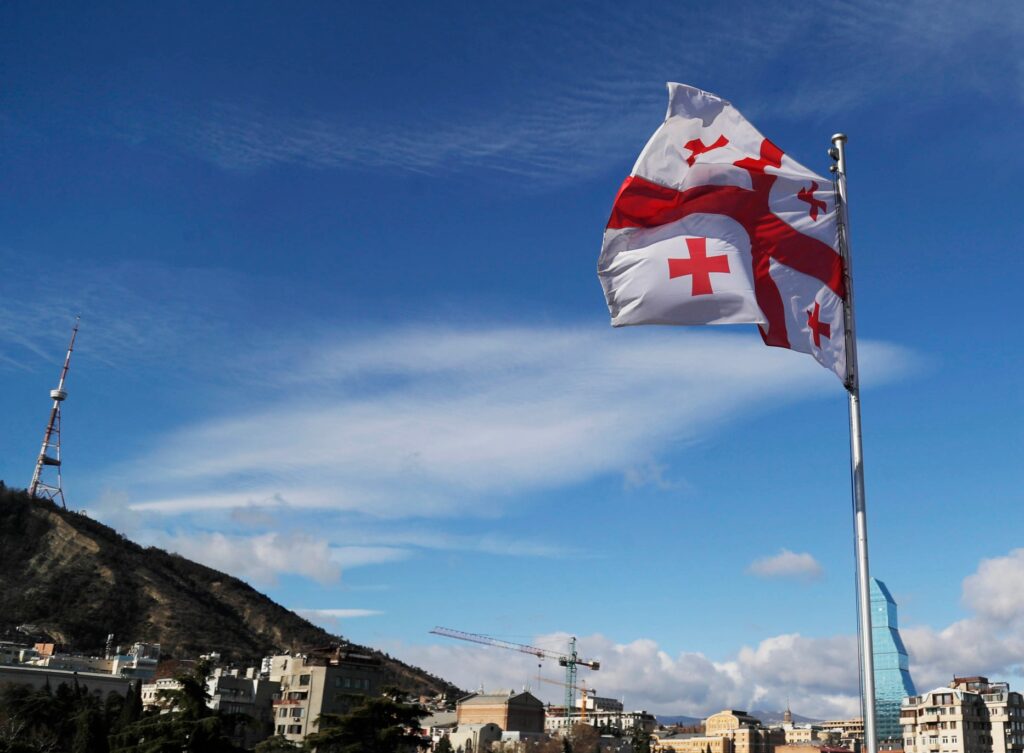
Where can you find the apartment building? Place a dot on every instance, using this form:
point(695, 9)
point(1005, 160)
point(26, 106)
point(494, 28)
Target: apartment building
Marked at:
point(316, 684)
point(972, 715)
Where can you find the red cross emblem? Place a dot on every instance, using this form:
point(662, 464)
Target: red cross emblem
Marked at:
point(698, 147)
point(818, 327)
point(642, 203)
point(807, 194)
point(700, 265)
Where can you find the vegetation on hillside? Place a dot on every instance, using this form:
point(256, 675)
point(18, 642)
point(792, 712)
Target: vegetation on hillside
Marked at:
point(78, 580)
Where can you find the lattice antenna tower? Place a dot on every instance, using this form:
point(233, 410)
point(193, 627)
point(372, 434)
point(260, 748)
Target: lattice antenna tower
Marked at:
point(49, 453)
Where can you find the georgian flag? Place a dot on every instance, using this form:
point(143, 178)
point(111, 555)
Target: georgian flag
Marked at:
point(716, 225)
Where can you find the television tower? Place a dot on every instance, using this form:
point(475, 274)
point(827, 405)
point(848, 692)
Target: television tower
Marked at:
point(51, 439)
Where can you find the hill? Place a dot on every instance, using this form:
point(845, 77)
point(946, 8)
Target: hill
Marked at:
point(78, 580)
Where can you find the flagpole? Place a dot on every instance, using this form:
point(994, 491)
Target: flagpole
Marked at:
point(860, 521)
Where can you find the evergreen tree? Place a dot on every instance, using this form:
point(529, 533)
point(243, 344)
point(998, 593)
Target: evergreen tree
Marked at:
point(379, 725)
point(131, 711)
point(444, 745)
point(90, 733)
point(276, 744)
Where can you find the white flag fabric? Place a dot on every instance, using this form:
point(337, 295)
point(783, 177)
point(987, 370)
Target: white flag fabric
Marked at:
point(717, 225)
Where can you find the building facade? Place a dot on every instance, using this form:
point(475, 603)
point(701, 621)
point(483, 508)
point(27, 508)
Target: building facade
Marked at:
point(892, 666)
point(728, 731)
point(972, 715)
point(512, 712)
point(312, 685)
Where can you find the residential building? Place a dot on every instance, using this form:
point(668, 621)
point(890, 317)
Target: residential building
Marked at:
point(892, 667)
point(245, 692)
point(511, 711)
point(972, 715)
point(316, 684)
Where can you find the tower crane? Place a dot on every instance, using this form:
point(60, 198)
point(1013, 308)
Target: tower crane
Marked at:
point(571, 661)
point(584, 692)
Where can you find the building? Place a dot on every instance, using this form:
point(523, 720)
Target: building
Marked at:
point(728, 731)
point(800, 734)
point(475, 738)
point(848, 732)
point(511, 711)
point(972, 715)
point(99, 684)
point(892, 667)
point(315, 684)
point(244, 692)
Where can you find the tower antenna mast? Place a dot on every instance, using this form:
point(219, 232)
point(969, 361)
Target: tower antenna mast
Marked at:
point(51, 439)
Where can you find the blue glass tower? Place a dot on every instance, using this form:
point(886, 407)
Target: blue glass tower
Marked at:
point(892, 668)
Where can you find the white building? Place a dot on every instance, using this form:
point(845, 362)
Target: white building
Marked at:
point(972, 715)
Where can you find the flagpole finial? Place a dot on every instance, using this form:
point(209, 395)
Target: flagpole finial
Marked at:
point(838, 137)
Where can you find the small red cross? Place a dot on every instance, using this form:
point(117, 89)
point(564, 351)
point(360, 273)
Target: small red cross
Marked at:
point(805, 194)
point(700, 265)
point(698, 147)
point(818, 327)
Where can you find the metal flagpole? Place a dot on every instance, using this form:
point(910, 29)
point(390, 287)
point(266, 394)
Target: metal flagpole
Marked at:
point(860, 521)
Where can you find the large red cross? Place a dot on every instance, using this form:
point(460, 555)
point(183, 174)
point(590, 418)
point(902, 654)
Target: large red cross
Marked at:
point(644, 204)
point(818, 327)
point(700, 265)
point(698, 147)
point(807, 194)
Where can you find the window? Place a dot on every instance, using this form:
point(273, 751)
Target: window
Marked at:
point(283, 712)
point(294, 729)
point(296, 713)
point(280, 729)
point(303, 679)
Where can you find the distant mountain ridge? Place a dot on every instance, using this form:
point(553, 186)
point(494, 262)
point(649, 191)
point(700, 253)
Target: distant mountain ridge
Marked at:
point(79, 580)
point(766, 717)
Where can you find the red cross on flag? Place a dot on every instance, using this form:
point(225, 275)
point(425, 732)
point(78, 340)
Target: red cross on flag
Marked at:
point(717, 225)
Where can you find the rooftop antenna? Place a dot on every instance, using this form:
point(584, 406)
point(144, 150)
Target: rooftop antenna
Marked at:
point(51, 439)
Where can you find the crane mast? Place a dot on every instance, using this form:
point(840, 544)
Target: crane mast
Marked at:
point(570, 661)
point(51, 438)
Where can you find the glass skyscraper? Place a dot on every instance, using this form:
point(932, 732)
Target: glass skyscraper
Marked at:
point(892, 668)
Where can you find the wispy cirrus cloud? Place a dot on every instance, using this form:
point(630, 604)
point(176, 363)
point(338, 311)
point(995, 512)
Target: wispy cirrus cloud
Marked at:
point(552, 126)
point(426, 423)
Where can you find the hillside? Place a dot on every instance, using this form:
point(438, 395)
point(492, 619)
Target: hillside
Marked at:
point(78, 580)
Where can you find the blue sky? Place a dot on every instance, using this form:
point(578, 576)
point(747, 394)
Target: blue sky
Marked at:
point(342, 334)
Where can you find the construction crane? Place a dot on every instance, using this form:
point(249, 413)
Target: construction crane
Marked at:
point(571, 661)
point(584, 692)
point(51, 438)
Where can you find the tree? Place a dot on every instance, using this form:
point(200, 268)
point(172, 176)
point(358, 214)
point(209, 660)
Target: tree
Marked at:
point(584, 737)
point(379, 725)
point(276, 744)
point(90, 732)
point(444, 745)
point(188, 726)
point(641, 739)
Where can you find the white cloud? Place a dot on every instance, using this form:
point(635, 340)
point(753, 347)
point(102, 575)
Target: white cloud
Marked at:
point(551, 128)
point(787, 564)
point(817, 674)
point(453, 416)
point(264, 557)
point(339, 613)
point(996, 590)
